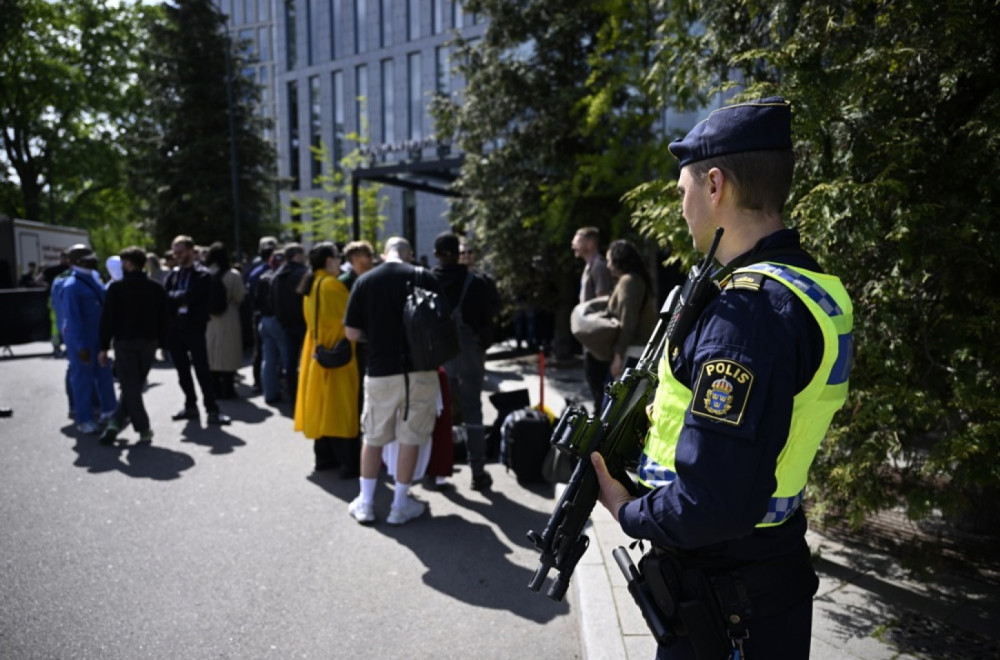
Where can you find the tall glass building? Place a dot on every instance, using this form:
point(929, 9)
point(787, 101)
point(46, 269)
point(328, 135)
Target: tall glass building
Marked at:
point(333, 68)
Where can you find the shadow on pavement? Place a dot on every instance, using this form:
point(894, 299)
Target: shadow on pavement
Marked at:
point(216, 438)
point(139, 461)
point(466, 560)
point(344, 489)
point(513, 519)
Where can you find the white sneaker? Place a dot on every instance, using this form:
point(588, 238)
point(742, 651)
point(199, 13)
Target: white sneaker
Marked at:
point(363, 513)
point(88, 428)
point(400, 515)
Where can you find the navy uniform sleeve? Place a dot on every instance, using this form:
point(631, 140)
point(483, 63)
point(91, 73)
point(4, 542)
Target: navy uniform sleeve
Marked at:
point(740, 362)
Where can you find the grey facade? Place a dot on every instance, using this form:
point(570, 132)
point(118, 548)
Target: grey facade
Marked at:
point(332, 68)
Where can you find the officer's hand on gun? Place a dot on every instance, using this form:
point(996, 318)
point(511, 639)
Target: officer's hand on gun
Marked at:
point(613, 493)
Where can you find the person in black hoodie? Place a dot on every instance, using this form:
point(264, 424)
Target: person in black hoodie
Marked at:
point(135, 316)
point(286, 301)
point(475, 303)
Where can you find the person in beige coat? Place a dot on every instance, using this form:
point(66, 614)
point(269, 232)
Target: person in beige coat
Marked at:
point(632, 302)
point(224, 335)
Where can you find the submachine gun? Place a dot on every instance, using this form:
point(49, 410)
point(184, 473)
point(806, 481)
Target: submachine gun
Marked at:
point(617, 434)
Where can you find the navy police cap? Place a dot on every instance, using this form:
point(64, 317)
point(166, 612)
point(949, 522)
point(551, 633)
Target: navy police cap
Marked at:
point(761, 125)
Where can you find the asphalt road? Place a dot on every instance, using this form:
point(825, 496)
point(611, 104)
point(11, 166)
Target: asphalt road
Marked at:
point(222, 543)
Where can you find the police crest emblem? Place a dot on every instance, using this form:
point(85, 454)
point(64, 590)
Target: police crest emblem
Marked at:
point(722, 391)
point(718, 399)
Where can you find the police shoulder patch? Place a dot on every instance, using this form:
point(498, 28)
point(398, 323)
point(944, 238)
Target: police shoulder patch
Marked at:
point(722, 390)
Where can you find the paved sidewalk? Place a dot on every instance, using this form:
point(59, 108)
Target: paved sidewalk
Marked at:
point(867, 607)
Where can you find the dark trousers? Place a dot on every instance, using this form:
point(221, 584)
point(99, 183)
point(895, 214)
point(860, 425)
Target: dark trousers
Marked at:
point(187, 348)
point(465, 383)
point(133, 360)
point(781, 598)
point(788, 637)
point(258, 354)
point(596, 373)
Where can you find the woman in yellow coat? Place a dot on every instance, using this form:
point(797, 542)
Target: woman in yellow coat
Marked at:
point(326, 408)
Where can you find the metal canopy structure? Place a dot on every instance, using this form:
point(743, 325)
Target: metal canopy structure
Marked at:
point(429, 176)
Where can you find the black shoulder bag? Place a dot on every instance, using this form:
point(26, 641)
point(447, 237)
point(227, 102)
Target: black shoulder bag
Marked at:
point(329, 358)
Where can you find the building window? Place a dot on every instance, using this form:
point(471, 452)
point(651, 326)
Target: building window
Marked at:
point(442, 70)
point(438, 16)
point(338, 118)
point(264, 41)
point(410, 218)
point(412, 19)
point(264, 10)
point(360, 26)
point(415, 106)
point(315, 129)
point(388, 102)
point(245, 42)
point(456, 14)
point(293, 133)
point(361, 100)
point(385, 23)
point(335, 24)
point(265, 98)
point(312, 31)
point(291, 55)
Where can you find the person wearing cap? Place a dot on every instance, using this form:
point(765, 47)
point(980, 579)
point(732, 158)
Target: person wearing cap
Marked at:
point(261, 264)
point(743, 401)
point(273, 340)
point(81, 301)
point(474, 309)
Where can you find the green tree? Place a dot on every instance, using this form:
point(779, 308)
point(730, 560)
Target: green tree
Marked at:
point(67, 88)
point(896, 116)
point(556, 127)
point(329, 217)
point(182, 139)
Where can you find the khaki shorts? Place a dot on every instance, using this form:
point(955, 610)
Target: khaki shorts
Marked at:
point(385, 402)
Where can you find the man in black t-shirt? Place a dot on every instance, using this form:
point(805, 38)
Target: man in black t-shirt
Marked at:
point(400, 404)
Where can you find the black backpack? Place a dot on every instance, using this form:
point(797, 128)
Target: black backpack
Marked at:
point(218, 300)
point(431, 331)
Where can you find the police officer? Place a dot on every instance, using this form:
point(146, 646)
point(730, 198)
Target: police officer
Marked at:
point(742, 404)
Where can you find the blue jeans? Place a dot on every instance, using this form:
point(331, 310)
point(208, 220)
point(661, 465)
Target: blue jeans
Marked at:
point(274, 355)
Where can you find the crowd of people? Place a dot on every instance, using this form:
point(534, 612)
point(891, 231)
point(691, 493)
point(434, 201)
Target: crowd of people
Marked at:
point(189, 306)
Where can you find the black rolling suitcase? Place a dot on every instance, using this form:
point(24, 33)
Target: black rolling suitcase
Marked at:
point(524, 444)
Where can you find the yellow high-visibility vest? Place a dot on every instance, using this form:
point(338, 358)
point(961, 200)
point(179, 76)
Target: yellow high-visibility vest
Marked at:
point(812, 408)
